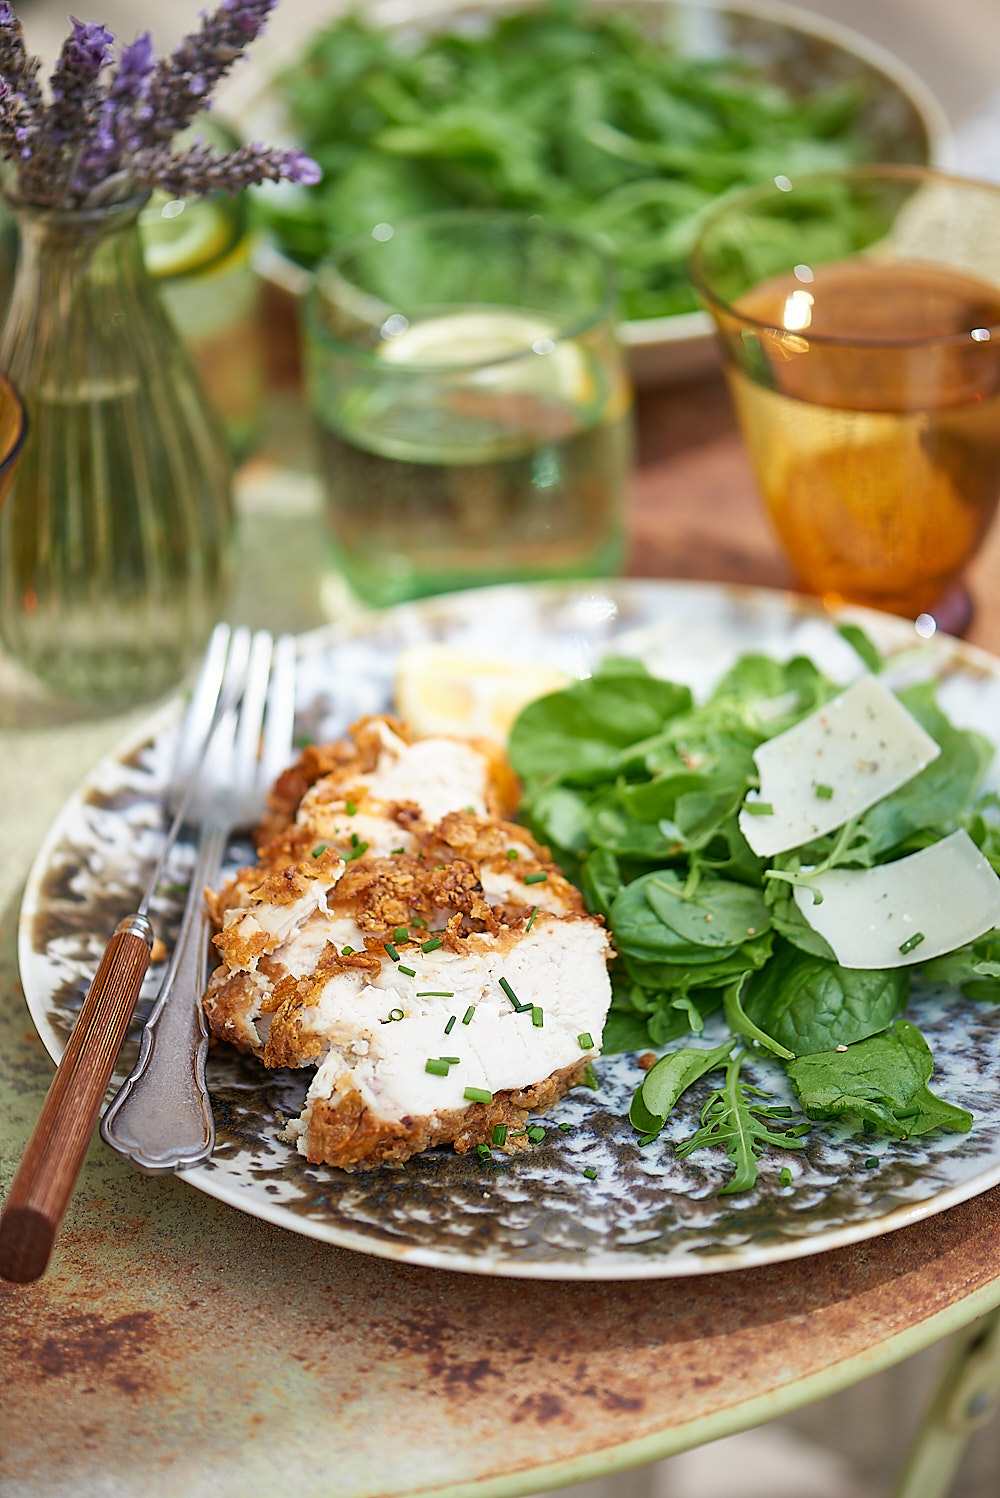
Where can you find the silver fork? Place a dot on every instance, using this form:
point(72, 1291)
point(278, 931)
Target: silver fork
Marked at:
point(161, 1118)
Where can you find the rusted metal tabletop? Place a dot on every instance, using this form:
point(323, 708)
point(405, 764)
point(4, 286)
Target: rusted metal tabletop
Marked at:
point(179, 1347)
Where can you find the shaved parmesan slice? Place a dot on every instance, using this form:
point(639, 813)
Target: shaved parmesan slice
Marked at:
point(908, 911)
point(832, 766)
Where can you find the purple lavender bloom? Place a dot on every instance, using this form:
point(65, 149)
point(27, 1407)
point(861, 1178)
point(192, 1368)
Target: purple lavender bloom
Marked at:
point(200, 170)
point(205, 56)
point(105, 138)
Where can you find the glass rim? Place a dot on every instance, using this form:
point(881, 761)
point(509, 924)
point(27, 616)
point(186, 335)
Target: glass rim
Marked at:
point(602, 310)
point(868, 171)
point(19, 436)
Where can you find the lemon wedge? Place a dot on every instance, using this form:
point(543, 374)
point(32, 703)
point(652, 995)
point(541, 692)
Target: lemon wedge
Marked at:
point(443, 689)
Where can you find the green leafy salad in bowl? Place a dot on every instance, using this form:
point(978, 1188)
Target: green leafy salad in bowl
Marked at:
point(625, 121)
point(788, 854)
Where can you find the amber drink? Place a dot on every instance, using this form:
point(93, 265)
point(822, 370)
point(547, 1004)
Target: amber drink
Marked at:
point(867, 386)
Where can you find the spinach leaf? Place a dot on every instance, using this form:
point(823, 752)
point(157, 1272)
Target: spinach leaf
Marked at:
point(862, 646)
point(601, 880)
point(936, 800)
point(558, 816)
point(664, 1083)
point(974, 969)
point(808, 1004)
point(578, 734)
point(882, 1080)
point(733, 1117)
point(716, 913)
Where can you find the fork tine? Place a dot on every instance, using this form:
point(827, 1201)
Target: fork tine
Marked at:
point(279, 720)
point(201, 708)
point(216, 765)
point(248, 734)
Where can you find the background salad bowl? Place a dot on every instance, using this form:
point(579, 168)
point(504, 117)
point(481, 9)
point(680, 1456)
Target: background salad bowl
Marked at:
point(847, 99)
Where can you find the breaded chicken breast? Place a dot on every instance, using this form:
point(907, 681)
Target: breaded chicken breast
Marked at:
point(419, 950)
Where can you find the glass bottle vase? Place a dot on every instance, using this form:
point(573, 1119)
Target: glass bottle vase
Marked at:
point(116, 536)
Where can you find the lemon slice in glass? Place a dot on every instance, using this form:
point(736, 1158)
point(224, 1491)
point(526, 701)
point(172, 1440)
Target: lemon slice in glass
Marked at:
point(516, 352)
point(186, 236)
point(443, 689)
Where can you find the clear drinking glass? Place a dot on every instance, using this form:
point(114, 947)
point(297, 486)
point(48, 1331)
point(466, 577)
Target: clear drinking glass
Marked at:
point(859, 318)
point(472, 406)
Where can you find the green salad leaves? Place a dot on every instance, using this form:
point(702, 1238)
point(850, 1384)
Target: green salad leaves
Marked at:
point(581, 115)
point(637, 789)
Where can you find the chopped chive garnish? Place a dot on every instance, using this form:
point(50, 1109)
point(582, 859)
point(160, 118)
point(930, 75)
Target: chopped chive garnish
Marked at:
point(911, 942)
point(394, 851)
point(537, 1016)
point(451, 1060)
point(538, 878)
point(354, 839)
point(400, 934)
point(347, 951)
point(531, 919)
point(436, 993)
point(467, 1016)
point(536, 1133)
point(356, 852)
point(432, 945)
point(871, 1163)
point(483, 1151)
point(317, 851)
point(478, 1095)
point(499, 1134)
point(759, 808)
point(450, 1025)
point(396, 1014)
point(510, 993)
point(786, 1176)
point(648, 1139)
point(422, 924)
point(392, 951)
point(585, 1040)
point(436, 1068)
point(351, 808)
point(590, 1173)
point(564, 1128)
point(519, 1133)
point(410, 972)
point(512, 853)
point(825, 792)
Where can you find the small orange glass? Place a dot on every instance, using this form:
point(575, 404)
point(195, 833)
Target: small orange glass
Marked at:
point(859, 317)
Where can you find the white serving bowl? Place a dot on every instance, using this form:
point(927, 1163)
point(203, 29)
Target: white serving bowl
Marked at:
point(801, 51)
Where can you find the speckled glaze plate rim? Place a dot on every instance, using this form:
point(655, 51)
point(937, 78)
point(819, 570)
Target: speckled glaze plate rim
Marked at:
point(891, 632)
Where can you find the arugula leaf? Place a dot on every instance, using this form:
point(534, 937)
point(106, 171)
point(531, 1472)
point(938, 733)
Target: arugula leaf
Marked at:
point(732, 1117)
point(809, 1004)
point(882, 1080)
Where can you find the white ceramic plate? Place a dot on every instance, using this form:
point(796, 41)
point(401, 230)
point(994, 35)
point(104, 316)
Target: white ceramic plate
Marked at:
point(645, 1214)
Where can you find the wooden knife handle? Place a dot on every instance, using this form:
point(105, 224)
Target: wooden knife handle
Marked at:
point(43, 1185)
